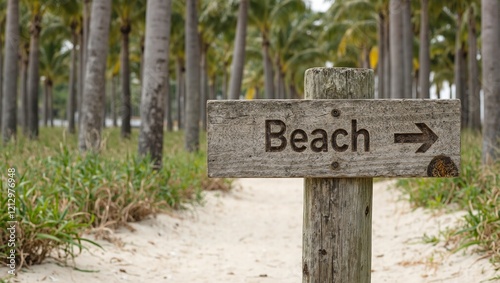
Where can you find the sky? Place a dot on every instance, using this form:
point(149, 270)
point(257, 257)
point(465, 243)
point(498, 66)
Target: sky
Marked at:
point(320, 5)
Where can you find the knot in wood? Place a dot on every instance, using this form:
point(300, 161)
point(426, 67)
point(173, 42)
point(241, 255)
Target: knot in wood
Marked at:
point(442, 166)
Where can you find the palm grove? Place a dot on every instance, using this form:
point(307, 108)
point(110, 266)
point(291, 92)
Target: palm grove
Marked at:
point(82, 60)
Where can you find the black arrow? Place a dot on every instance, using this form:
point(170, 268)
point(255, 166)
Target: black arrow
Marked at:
point(427, 137)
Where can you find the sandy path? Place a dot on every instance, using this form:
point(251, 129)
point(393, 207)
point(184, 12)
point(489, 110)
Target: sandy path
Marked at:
point(254, 234)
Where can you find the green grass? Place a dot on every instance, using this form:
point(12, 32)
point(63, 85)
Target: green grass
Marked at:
point(60, 193)
point(476, 190)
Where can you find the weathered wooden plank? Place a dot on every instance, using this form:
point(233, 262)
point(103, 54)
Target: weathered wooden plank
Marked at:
point(364, 138)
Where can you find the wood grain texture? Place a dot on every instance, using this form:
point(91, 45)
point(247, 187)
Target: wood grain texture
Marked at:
point(337, 226)
point(336, 237)
point(237, 136)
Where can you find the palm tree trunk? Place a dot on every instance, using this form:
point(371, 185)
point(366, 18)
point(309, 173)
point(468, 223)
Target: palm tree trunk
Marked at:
point(183, 95)
point(224, 81)
point(490, 34)
point(424, 51)
point(24, 89)
point(84, 45)
point(168, 105)
point(293, 92)
point(211, 88)
point(104, 106)
point(72, 82)
point(387, 60)
point(239, 51)
point(407, 49)
point(277, 92)
point(474, 99)
point(46, 102)
point(10, 65)
point(451, 92)
point(414, 89)
point(33, 77)
point(192, 139)
point(282, 85)
point(114, 100)
point(268, 68)
point(381, 57)
point(463, 79)
point(178, 92)
point(51, 105)
point(459, 84)
point(396, 48)
point(168, 100)
point(141, 67)
point(86, 32)
point(125, 80)
point(1, 81)
point(204, 84)
point(81, 74)
point(365, 57)
point(95, 81)
point(155, 81)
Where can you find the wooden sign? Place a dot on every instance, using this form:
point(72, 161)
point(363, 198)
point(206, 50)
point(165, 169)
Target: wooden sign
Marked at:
point(334, 138)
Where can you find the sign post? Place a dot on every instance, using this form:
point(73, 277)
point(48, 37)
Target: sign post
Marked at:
point(337, 227)
point(338, 138)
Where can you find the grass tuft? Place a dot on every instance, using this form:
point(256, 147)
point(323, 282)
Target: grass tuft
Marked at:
point(60, 193)
point(476, 190)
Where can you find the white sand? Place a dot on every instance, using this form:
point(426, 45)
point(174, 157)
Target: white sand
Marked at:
point(254, 234)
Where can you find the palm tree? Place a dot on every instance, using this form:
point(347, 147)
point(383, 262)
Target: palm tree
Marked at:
point(53, 68)
point(69, 24)
point(9, 98)
point(473, 82)
point(239, 52)
point(112, 74)
point(84, 43)
point(72, 10)
point(442, 48)
point(72, 96)
point(217, 21)
point(177, 50)
point(23, 80)
point(192, 78)
point(3, 14)
point(382, 66)
point(396, 48)
point(36, 14)
point(95, 80)
point(424, 51)
point(490, 31)
point(352, 38)
point(264, 14)
point(295, 50)
point(126, 11)
point(260, 17)
point(37, 9)
point(407, 49)
point(154, 79)
point(457, 11)
point(386, 71)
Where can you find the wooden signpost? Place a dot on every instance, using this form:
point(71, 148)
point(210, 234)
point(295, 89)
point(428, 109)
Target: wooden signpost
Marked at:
point(332, 138)
point(338, 139)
